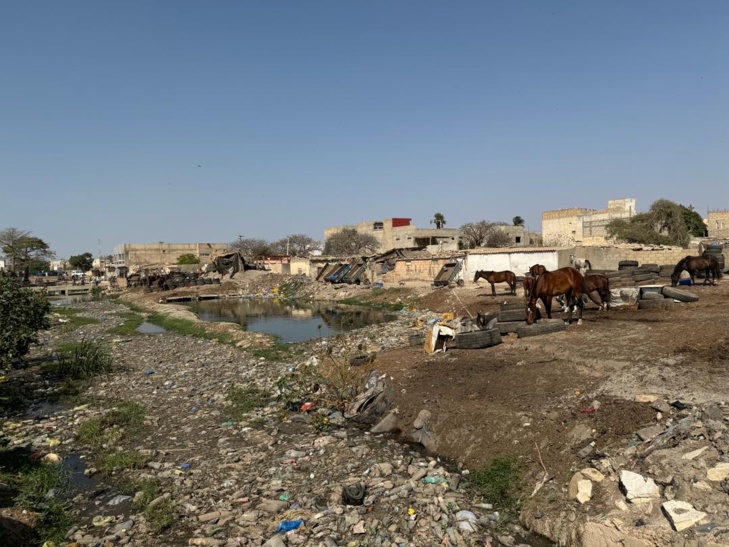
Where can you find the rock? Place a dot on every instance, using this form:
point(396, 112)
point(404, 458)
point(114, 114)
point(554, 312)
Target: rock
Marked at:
point(586, 451)
point(359, 528)
point(719, 472)
point(573, 486)
point(681, 514)
point(645, 398)
point(584, 491)
point(387, 424)
point(206, 541)
point(712, 412)
point(694, 453)
point(593, 474)
point(637, 488)
point(271, 506)
point(661, 406)
point(422, 420)
point(275, 541)
point(651, 432)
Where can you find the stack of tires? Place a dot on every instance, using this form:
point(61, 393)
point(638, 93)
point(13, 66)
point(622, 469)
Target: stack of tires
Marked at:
point(717, 252)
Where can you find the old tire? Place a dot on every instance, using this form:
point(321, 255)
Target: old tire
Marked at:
point(652, 296)
point(512, 306)
point(679, 294)
point(509, 326)
point(544, 326)
point(478, 339)
point(643, 277)
point(513, 315)
point(628, 263)
point(661, 304)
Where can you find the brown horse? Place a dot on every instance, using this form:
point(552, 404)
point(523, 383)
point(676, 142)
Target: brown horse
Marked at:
point(566, 281)
point(497, 277)
point(528, 285)
point(594, 283)
point(694, 264)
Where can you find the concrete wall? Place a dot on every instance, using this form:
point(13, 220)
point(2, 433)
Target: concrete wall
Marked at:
point(134, 255)
point(518, 262)
point(718, 224)
point(608, 257)
point(566, 227)
point(402, 237)
point(419, 269)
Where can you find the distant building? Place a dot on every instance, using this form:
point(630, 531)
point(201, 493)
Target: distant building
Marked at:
point(519, 236)
point(58, 265)
point(717, 224)
point(135, 255)
point(565, 227)
point(2, 265)
point(398, 233)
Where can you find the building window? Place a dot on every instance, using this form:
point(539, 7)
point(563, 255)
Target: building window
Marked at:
point(378, 226)
point(518, 239)
point(204, 255)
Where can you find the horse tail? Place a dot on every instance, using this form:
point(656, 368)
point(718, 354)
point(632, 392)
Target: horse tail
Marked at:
point(588, 266)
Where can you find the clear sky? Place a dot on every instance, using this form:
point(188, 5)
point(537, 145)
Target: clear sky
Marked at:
point(177, 120)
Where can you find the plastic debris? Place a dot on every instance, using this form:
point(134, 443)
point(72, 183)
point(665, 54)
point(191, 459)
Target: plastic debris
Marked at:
point(288, 525)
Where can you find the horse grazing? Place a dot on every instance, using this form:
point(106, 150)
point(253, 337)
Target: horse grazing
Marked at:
point(497, 277)
point(580, 263)
point(566, 281)
point(528, 285)
point(694, 264)
point(593, 283)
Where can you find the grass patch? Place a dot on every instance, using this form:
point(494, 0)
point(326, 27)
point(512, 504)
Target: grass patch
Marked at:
point(161, 516)
point(125, 459)
point(123, 421)
point(43, 489)
point(82, 360)
point(70, 320)
point(245, 399)
point(132, 320)
point(186, 328)
point(498, 483)
point(277, 352)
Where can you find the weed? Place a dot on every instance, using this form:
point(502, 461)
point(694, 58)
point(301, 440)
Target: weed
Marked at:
point(161, 516)
point(131, 321)
point(125, 459)
point(245, 399)
point(150, 489)
point(372, 304)
point(277, 352)
point(498, 483)
point(96, 292)
point(126, 419)
point(83, 360)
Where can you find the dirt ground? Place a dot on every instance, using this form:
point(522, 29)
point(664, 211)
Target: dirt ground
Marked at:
point(536, 392)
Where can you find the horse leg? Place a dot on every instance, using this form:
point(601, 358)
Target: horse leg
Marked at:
point(580, 306)
point(493, 290)
point(548, 305)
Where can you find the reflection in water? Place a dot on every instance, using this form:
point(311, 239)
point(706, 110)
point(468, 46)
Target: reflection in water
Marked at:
point(290, 321)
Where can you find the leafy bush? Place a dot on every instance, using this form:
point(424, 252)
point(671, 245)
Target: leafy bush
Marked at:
point(83, 360)
point(23, 312)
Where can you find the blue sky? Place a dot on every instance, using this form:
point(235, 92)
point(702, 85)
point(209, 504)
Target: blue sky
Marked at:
point(198, 121)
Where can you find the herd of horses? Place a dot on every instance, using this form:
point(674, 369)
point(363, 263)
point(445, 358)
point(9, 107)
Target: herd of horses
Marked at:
point(572, 286)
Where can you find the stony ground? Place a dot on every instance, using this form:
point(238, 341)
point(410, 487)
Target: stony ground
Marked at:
point(630, 390)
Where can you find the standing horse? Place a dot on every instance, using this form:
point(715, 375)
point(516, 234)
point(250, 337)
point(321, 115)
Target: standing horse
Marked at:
point(580, 263)
point(497, 277)
point(694, 264)
point(537, 270)
point(528, 285)
point(566, 281)
point(593, 283)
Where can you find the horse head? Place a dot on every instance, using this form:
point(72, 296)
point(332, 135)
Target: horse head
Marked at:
point(676, 275)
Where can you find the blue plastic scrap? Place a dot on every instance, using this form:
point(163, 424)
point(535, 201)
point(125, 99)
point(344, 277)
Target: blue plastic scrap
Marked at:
point(288, 525)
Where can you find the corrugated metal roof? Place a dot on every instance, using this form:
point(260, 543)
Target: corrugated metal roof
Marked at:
point(511, 250)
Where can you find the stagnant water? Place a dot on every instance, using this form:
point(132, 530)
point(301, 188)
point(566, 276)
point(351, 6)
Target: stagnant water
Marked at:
point(290, 321)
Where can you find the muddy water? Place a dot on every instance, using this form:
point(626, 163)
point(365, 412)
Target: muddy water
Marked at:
point(289, 321)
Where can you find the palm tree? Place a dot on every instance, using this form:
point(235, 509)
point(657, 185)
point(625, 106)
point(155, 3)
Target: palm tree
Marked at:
point(439, 221)
point(518, 221)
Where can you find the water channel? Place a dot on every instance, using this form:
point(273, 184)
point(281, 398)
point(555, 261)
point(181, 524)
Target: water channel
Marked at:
point(289, 321)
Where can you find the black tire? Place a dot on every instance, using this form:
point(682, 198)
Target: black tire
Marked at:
point(612, 274)
point(679, 294)
point(512, 306)
point(208, 281)
point(651, 267)
point(642, 277)
point(200, 282)
point(216, 281)
point(544, 326)
point(513, 315)
point(509, 326)
point(714, 250)
point(652, 296)
point(627, 263)
point(416, 339)
point(660, 304)
point(478, 339)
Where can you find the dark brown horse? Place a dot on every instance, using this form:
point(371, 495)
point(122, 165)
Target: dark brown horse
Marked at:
point(497, 277)
point(593, 283)
point(695, 264)
point(528, 285)
point(566, 281)
point(537, 270)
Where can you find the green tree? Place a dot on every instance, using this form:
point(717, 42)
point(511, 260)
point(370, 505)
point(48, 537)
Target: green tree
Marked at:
point(662, 224)
point(349, 242)
point(23, 312)
point(23, 251)
point(694, 222)
point(439, 220)
point(83, 262)
point(188, 258)
point(518, 221)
